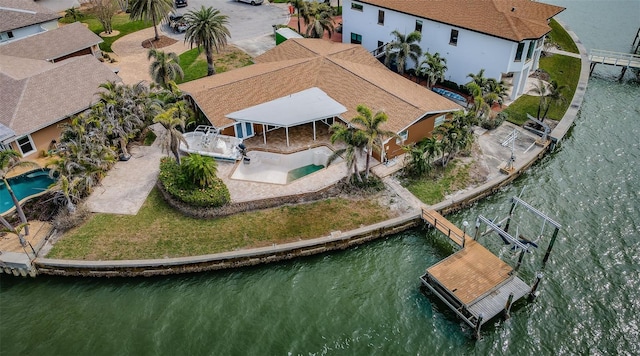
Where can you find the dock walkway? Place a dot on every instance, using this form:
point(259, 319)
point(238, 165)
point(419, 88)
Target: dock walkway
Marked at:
point(616, 59)
point(473, 282)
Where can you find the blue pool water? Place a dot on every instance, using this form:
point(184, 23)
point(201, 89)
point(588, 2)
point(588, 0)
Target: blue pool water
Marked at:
point(302, 171)
point(450, 94)
point(24, 186)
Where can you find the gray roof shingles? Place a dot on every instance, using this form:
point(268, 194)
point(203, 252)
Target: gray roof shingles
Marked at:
point(16, 14)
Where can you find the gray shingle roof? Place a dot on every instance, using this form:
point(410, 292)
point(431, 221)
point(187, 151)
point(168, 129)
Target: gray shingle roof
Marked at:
point(22, 13)
point(36, 94)
point(52, 44)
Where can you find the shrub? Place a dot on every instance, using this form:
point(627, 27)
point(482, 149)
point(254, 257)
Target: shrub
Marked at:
point(175, 183)
point(491, 123)
point(65, 221)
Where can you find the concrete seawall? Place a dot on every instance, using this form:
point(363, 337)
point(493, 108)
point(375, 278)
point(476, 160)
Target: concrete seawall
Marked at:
point(337, 240)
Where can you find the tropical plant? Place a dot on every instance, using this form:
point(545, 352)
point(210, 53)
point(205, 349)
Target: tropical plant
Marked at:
point(17, 230)
point(66, 191)
point(479, 80)
point(174, 121)
point(199, 170)
point(433, 68)
point(402, 48)
point(172, 178)
point(454, 134)
point(320, 20)
point(165, 67)
point(302, 7)
point(207, 28)
point(373, 132)
point(73, 13)
point(10, 160)
point(496, 92)
point(151, 10)
point(550, 95)
point(355, 139)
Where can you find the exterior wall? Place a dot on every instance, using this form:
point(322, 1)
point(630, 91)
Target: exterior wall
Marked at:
point(31, 30)
point(474, 51)
point(41, 139)
point(416, 132)
point(74, 54)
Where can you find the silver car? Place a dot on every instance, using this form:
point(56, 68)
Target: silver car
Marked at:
point(252, 2)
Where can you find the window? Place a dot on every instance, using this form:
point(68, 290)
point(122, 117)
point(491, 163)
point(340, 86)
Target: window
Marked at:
point(244, 131)
point(10, 34)
point(540, 42)
point(418, 26)
point(530, 51)
point(438, 121)
point(380, 17)
point(519, 52)
point(402, 136)
point(453, 40)
point(357, 7)
point(356, 38)
point(26, 145)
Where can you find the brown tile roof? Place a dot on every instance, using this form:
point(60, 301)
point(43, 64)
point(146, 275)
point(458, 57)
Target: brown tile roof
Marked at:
point(35, 96)
point(21, 13)
point(52, 44)
point(347, 73)
point(514, 20)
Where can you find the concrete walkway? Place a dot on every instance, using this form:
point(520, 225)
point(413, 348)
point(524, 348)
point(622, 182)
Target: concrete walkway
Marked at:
point(128, 183)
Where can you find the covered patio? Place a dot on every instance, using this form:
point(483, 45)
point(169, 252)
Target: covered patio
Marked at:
point(296, 115)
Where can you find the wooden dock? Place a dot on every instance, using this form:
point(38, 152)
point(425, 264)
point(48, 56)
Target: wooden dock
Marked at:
point(473, 282)
point(616, 59)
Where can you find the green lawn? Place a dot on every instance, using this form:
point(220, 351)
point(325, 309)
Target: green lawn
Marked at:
point(563, 69)
point(158, 231)
point(433, 190)
point(561, 38)
point(194, 63)
point(120, 23)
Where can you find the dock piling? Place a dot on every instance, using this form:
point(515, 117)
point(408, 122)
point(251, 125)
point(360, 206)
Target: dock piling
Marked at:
point(507, 307)
point(476, 331)
point(553, 240)
point(534, 290)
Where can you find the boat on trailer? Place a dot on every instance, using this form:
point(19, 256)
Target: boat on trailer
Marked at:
point(207, 141)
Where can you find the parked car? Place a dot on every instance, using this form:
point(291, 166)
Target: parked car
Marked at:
point(181, 3)
point(177, 23)
point(252, 2)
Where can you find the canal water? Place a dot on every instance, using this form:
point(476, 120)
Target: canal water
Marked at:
point(367, 300)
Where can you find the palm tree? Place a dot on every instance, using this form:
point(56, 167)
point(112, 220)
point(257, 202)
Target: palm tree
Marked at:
point(554, 96)
point(433, 68)
point(496, 92)
point(165, 67)
point(372, 130)
point(66, 191)
point(320, 20)
point(403, 48)
point(302, 7)
point(207, 28)
point(480, 80)
point(154, 10)
point(9, 160)
point(172, 119)
point(355, 140)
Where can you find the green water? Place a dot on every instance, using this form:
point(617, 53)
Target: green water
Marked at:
point(367, 300)
point(302, 171)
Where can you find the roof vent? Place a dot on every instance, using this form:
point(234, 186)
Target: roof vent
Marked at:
point(513, 9)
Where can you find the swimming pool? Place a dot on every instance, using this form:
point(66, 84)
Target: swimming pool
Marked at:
point(25, 186)
point(449, 94)
point(268, 167)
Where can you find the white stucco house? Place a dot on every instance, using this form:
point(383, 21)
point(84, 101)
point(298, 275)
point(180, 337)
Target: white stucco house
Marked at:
point(503, 37)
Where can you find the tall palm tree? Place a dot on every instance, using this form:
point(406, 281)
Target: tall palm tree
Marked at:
point(433, 68)
point(372, 130)
point(165, 67)
point(207, 28)
point(151, 10)
point(403, 48)
point(355, 140)
point(554, 96)
point(302, 7)
point(496, 92)
point(10, 160)
point(320, 20)
point(480, 80)
point(174, 121)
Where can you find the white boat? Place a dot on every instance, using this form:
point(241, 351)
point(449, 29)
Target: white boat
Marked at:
point(207, 141)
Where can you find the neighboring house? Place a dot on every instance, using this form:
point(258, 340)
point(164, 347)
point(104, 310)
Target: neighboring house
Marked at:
point(504, 37)
point(38, 95)
point(55, 45)
point(22, 18)
point(318, 81)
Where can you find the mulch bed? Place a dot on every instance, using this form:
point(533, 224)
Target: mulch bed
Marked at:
point(164, 41)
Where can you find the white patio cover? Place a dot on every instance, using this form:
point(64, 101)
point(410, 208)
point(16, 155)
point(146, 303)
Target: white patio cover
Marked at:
point(309, 105)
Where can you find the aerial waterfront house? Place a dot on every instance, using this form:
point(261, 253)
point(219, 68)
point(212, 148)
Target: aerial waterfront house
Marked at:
point(503, 37)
